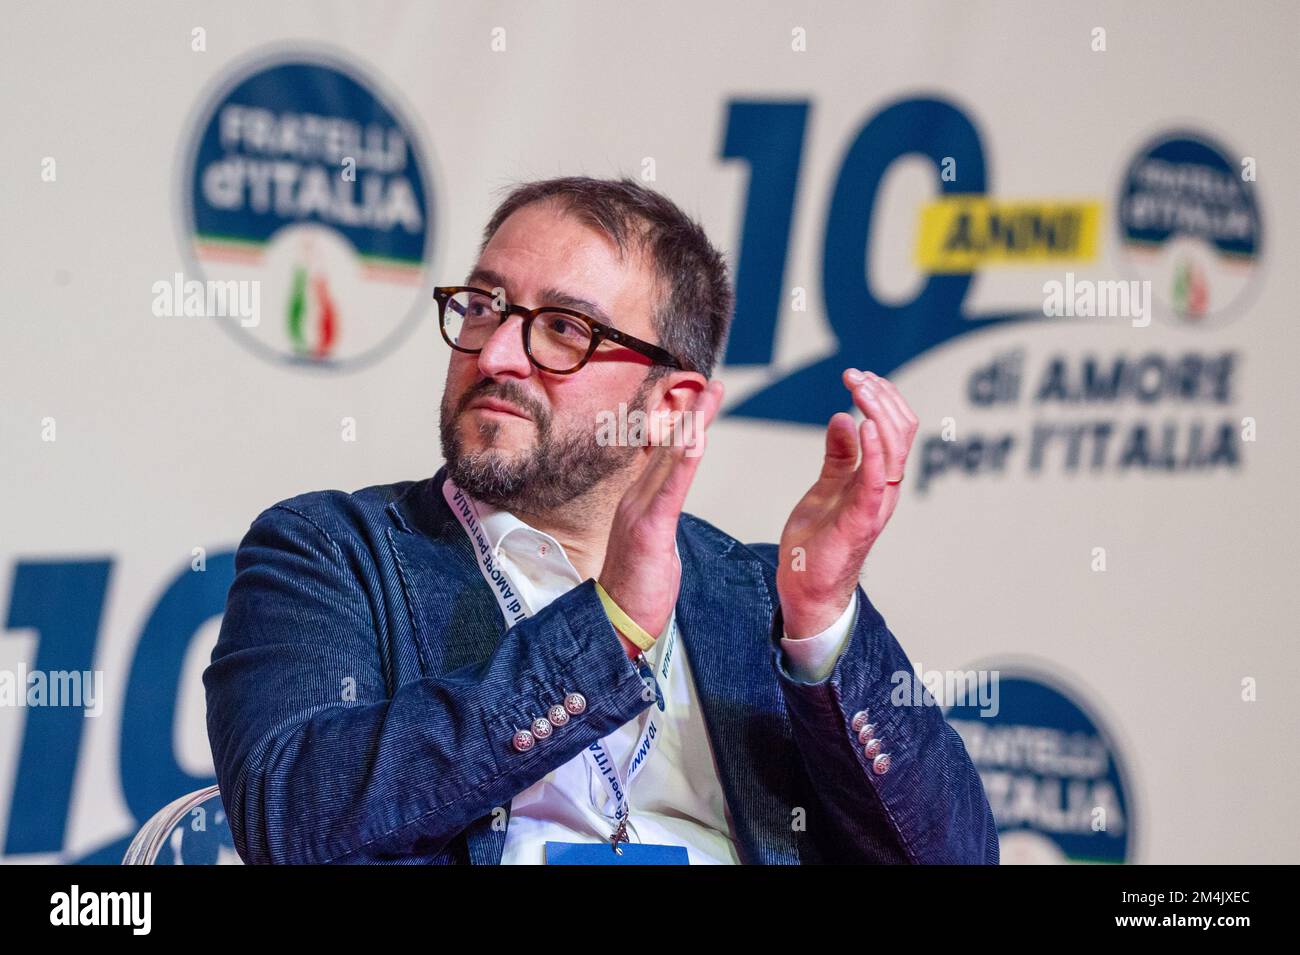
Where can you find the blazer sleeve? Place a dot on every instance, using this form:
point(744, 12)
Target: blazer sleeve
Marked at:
point(319, 761)
point(920, 800)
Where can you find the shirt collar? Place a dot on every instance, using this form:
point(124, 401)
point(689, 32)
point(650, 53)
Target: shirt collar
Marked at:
point(496, 523)
point(503, 528)
point(499, 525)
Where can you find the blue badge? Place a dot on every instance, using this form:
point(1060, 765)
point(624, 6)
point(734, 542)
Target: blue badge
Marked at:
point(600, 853)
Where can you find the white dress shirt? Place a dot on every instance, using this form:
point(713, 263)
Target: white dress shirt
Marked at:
point(677, 797)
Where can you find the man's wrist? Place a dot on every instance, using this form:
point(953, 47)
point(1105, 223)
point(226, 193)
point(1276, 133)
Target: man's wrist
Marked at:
point(628, 629)
point(804, 621)
point(812, 659)
point(625, 628)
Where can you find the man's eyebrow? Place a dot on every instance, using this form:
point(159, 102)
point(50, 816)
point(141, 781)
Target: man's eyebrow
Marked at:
point(554, 296)
point(486, 277)
point(549, 296)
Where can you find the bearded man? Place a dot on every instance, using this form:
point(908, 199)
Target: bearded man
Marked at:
point(535, 656)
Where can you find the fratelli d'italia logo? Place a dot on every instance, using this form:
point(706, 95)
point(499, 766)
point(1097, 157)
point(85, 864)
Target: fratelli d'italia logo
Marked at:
point(1051, 771)
point(1189, 223)
point(302, 176)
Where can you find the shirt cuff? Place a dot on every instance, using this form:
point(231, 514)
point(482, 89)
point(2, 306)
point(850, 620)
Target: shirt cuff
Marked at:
point(811, 659)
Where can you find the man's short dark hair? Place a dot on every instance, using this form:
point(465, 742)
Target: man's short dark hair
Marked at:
point(692, 318)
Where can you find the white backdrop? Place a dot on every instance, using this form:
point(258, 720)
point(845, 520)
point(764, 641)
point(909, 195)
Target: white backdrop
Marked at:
point(131, 438)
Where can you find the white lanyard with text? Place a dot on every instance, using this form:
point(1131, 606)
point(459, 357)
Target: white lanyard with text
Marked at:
point(599, 757)
point(514, 610)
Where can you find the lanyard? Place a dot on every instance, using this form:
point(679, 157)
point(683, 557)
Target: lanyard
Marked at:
point(599, 757)
point(514, 610)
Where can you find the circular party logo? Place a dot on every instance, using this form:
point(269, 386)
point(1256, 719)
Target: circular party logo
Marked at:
point(1051, 773)
point(308, 199)
point(1189, 224)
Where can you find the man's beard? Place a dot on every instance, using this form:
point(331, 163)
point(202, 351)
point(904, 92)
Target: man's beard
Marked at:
point(562, 469)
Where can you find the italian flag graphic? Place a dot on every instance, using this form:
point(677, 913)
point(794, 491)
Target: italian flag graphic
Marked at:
point(324, 323)
point(1191, 293)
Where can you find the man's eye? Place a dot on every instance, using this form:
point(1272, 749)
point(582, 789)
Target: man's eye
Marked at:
point(565, 327)
point(481, 314)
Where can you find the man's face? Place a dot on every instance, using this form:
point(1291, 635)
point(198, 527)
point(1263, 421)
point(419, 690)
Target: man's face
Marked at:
point(521, 438)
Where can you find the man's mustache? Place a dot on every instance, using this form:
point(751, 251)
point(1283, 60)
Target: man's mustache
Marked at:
point(505, 391)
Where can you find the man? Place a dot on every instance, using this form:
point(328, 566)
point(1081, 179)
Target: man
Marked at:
point(534, 656)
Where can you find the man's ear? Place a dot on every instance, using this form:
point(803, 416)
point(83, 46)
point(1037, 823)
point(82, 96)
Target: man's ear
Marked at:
point(670, 413)
point(680, 390)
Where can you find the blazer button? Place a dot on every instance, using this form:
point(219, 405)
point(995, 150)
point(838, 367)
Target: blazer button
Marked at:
point(866, 733)
point(880, 765)
point(872, 748)
point(542, 728)
point(523, 741)
point(558, 715)
point(859, 720)
point(575, 703)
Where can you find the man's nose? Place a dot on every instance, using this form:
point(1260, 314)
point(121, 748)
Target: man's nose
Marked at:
point(503, 353)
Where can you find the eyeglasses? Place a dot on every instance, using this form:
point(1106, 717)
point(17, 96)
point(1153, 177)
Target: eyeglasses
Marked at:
point(556, 339)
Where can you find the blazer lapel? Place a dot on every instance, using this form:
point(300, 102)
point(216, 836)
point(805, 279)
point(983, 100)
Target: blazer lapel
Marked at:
point(453, 614)
point(724, 615)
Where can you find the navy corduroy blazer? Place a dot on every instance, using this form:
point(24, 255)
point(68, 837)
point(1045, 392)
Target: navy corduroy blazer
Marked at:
point(364, 691)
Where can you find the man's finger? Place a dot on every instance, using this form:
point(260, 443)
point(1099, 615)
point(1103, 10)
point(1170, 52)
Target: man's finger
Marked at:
point(907, 421)
point(841, 446)
point(881, 397)
point(658, 465)
point(900, 403)
point(687, 454)
point(680, 427)
point(706, 406)
point(671, 496)
point(869, 488)
point(895, 444)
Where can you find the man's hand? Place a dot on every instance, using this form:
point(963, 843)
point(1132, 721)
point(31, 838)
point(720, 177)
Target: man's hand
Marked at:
point(641, 571)
point(830, 531)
